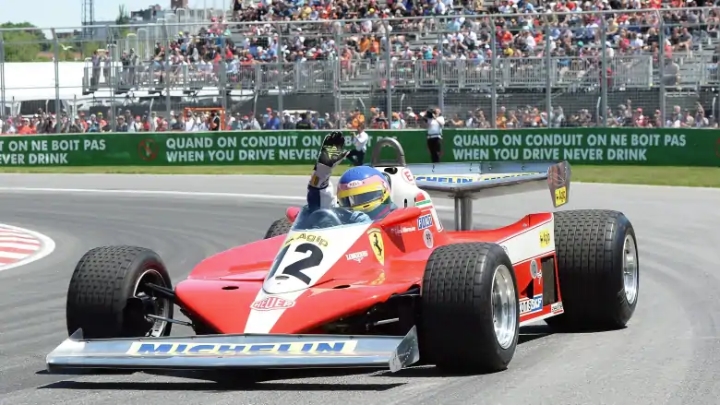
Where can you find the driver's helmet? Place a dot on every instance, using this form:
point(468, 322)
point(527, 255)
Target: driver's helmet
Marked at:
point(363, 188)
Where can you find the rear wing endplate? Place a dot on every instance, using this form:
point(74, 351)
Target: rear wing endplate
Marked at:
point(466, 181)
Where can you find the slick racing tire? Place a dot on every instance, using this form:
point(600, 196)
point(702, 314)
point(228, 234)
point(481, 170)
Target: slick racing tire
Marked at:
point(598, 270)
point(108, 295)
point(280, 226)
point(469, 311)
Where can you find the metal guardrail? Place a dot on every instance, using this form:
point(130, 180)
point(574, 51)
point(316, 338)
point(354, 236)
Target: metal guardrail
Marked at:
point(319, 76)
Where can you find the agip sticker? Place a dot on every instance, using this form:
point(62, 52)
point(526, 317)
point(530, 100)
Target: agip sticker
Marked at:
point(309, 237)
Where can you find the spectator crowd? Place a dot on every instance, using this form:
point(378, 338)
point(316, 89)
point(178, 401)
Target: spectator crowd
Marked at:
point(298, 31)
point(625, 115)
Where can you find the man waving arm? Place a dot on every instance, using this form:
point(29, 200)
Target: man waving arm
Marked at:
point(320, 192)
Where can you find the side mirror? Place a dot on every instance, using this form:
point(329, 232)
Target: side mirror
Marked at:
point(291, 213)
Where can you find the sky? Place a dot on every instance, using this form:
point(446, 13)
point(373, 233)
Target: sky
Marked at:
point(67, 13)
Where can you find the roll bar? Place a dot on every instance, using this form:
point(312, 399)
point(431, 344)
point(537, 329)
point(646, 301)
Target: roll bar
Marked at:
point(399, 159)
point(466, 181)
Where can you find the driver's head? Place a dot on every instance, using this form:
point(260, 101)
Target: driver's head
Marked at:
point(363, 188)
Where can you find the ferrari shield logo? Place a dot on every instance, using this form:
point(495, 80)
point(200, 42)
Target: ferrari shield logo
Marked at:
point(376, 243)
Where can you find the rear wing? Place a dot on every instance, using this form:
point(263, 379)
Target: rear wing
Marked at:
point(256, 351)
point(466, 181)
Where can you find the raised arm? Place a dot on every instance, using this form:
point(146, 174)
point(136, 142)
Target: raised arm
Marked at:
point(320, 193)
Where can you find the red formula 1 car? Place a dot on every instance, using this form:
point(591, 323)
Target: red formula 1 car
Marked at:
point(390, 293)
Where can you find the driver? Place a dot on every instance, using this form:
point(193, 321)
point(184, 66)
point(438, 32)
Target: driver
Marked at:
point(363, 190)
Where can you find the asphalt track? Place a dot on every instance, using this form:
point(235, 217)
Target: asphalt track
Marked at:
point(669, 353)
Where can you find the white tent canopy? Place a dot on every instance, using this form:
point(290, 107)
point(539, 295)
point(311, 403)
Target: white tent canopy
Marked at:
point(36, 80)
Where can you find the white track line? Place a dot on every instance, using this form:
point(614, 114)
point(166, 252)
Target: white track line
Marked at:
point(13, 255)
point(152, 192)
point(46, 246)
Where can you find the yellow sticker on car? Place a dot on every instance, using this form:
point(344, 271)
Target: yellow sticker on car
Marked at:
point(544, 238)
point(560, 196)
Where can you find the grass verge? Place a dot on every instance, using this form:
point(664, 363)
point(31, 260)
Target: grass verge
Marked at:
point(643, 175)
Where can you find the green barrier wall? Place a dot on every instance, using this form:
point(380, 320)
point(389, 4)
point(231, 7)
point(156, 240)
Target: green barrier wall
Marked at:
point(681, 147)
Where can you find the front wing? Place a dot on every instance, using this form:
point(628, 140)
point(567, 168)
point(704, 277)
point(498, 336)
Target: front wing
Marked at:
point(258, 351)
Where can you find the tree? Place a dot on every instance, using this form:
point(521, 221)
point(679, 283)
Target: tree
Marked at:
point(87, 48)
point(123, 18)
point(23, 45)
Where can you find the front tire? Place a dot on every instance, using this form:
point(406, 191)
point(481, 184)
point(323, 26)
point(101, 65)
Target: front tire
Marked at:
point(469, 309)
point(598, 269)
point(107, 296)
point(280, 226)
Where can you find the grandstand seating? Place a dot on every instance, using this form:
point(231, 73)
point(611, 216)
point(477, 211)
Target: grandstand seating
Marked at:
point(419, 75)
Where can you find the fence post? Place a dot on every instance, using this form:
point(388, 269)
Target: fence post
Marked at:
point(494, 62)
point(388, 80)
point(166, 74)
point(112, 51)
point(337, 78)
point(603, 73)
point(56, 67)
point(661, 73)
point(548, 75)
point(440, 72)
point(223, 87)
point(2, 78)
point(281, 73)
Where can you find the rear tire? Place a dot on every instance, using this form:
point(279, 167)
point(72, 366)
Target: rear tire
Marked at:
point(280, 226)
point(465, 287)
point(106, 297)
point(598, 269)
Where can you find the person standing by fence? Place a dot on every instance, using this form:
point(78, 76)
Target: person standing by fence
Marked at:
point(215, 121)
point(304, 123)
point(360, 140)
point(434, 135)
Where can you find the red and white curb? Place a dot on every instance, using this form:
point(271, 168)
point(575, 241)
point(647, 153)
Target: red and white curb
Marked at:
point(19, 246)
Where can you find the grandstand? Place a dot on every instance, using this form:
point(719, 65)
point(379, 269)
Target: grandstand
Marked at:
point(384, 57)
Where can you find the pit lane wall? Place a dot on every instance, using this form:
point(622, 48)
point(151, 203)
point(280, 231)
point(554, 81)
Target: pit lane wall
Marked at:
point(593, 146)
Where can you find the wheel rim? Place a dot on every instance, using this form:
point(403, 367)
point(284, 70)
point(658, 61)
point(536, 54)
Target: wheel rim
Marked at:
point(504, 307)
point(630, 269)
point(161, 306)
